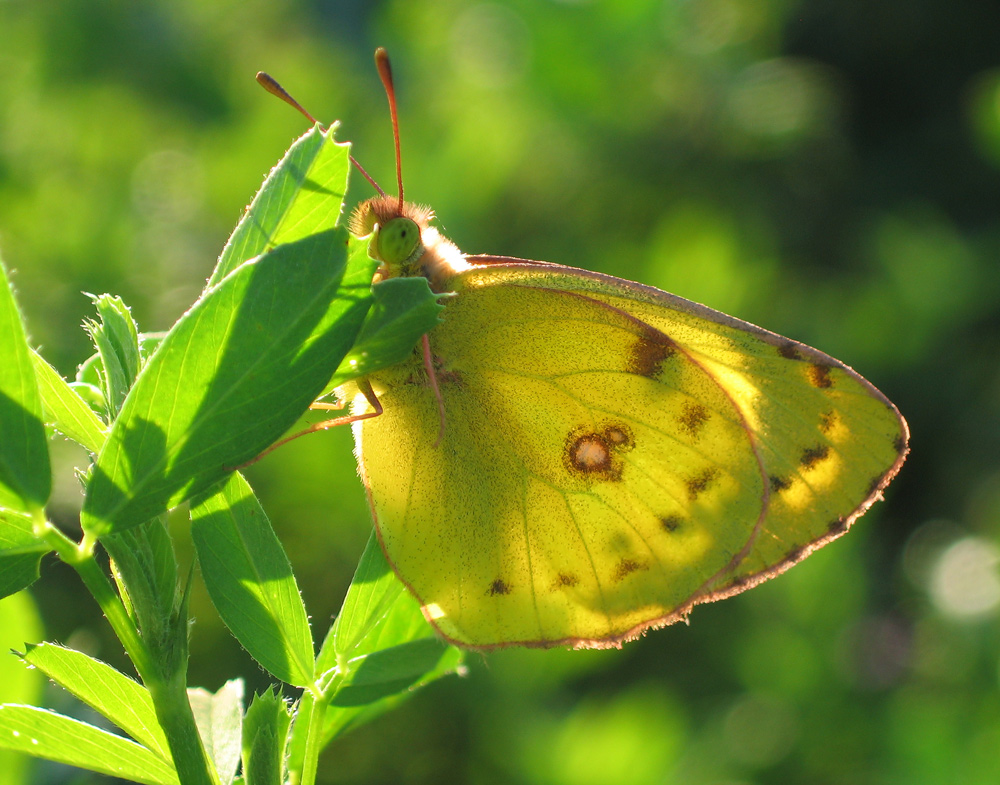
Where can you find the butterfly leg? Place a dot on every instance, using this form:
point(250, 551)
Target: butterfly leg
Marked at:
point(366, 390)
point(432, 376)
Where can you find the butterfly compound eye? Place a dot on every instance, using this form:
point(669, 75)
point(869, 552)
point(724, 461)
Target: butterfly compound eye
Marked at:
point(397, 240)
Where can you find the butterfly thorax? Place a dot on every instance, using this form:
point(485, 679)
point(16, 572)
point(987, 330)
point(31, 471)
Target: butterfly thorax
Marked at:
point(405, 243)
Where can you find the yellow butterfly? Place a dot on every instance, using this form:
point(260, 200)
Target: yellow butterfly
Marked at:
point(573, 458)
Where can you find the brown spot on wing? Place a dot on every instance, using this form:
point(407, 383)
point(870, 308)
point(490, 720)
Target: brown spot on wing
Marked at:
point(738, 581)
point(596, 455)
point(693, 418)
point(498, 587)
point(649, 352)
point(699, 483)
point(875, 484)
point(819, 376)
point(813, 455)
point(590, 454)
point(565, 579)
point(837, 526)
point(626, 567)
point(619, 436)
point(779, 483)
point(828, 421)
point(899, 443)
point(789, 350)
point(671, 523)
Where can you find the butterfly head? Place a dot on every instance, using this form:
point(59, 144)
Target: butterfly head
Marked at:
point(396, 235)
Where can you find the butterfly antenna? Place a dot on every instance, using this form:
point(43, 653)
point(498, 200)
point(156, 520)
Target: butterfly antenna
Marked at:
point(385, 74)
point(270, 84)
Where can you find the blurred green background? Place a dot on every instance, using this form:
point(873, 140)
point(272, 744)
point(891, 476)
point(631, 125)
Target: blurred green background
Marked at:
point(826, 169)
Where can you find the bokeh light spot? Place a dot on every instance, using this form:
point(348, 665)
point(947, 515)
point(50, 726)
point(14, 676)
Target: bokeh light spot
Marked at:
point(632, 739)
point(780, 99)
point(932, 267)
point(984, 111)
point(966, 579)
point(695, 253)
point(715, 24)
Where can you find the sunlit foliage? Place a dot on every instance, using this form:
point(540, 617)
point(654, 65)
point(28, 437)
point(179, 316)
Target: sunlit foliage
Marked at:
point(827, 169)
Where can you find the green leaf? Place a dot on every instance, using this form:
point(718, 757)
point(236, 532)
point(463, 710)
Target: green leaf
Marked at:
point(231, 376)
point(117, 341)
point(145, 569)
point(379, 650)
point(20, 552)
point(65, 410)
point(302, 195)
point(402, 622)
point(398, 653)
point(338, 720)
point(89, 383)
point(403, 311)
point(107, 691)
point(219, 718)
point(377, 613)
point(19, 622)
point(389, 671)
point(265, 735)
point(45, 734)
point(250, 581)
point(372, 593)
point(25, 475)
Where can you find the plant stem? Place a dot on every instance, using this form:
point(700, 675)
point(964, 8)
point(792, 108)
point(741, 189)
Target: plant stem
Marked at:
point(173, 710)
point(310, 710)
point(168, 691)
point(81, 558)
